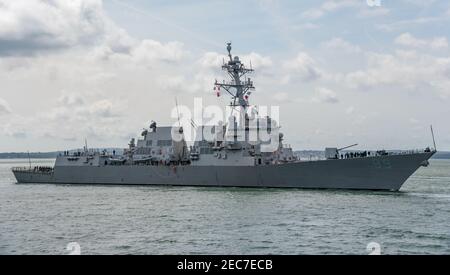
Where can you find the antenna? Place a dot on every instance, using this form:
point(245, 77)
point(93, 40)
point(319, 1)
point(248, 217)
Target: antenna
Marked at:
point(434, 141)
point(347, 147)
point(85, 145)
point(229, 50)
point(29, 159)
point(178, 112)
point(238, 87)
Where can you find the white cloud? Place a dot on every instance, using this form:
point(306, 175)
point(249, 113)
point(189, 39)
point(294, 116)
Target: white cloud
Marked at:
point(406, 69)
point(90, 117)
point(350, 110)
point(370, 12)
point(150, 50)
point(103, 108)
point(329, 6)
point(408, 40)
point(303, 66)
point(420, 3)
point(410, 23)
point(89, 85)
point(213, 60)
point(312, 14)
point(340, 44)
point(332, 5)
point(325, 95)
point(281, 97)
point(4, 107)
point(258, 61)
point(15, 131)
point(92, 79)
point(305, 26)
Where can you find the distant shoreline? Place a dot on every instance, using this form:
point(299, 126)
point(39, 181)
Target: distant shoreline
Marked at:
point(50, 155)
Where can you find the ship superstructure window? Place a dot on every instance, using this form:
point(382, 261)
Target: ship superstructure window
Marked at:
point(143, 151)
point(149, 143)
point(164, 142)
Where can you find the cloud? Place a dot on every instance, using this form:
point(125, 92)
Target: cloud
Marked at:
point(410, 23)
point(327, 7)
point(92, 79)
point(103, 108)
point(370, 12)
point(420, 3)
point(325, 95)
point(340, 44)
point(15, 131)
point(84, 66)
point(95, 118)
point(312, 14)
point(350, 110)
point(408, 70)
point(281, 97)
point(71, 100)
point(150, 50)
point(333, 5)
point(214, 60)
point(303, 66)
point(305, 26)
point(4, 107)
point(258, 61)
point(30, 26)
point(74, 107)
point(408, 40)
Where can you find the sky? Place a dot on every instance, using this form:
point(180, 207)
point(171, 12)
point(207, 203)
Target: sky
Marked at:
point(372, 72)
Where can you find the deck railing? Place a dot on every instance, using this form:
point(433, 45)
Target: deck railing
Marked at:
point(366, 154)
point(36, 169)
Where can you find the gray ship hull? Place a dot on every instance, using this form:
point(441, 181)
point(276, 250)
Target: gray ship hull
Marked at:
point(372, 173)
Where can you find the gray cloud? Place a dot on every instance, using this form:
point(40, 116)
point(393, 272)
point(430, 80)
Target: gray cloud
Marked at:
point(28, 27)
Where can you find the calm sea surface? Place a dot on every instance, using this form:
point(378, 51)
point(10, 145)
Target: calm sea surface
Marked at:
point(43, 219)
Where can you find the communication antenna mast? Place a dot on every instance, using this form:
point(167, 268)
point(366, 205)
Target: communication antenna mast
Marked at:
point(29, 159)
point(239, 87)
point(347, 147)
point(432, 135)
point(178, 112)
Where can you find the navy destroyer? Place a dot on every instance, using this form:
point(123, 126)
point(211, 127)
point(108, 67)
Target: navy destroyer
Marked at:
point(231, 154)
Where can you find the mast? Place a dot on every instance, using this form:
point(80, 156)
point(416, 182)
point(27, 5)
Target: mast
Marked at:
point(238, 88)
point(432, 135)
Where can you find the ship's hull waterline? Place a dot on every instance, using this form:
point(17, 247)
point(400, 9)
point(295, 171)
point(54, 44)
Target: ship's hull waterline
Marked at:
point(370, 173)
